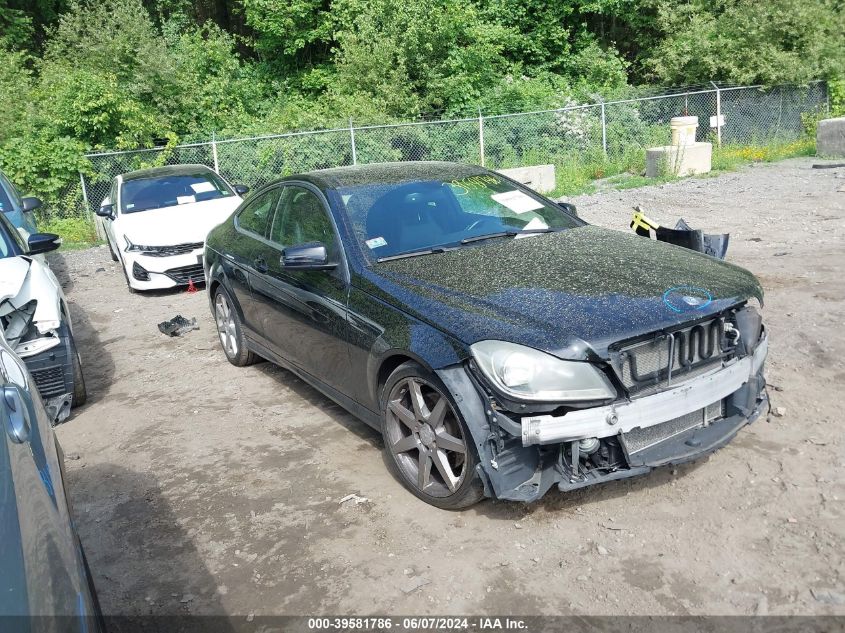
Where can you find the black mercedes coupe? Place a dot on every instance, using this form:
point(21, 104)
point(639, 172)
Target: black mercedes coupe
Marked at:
point(500, 344)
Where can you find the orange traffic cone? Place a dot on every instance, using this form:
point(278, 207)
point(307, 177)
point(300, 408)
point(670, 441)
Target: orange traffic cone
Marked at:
point(191, 286)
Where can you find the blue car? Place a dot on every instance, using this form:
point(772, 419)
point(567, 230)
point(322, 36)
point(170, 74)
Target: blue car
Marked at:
point(43, 571)
point(17, 208)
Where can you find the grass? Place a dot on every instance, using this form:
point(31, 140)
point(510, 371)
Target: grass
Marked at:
point(593, 172)
point(76, 233)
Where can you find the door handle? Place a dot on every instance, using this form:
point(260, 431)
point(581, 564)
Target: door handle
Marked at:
point(17, 424)
point(261, 265)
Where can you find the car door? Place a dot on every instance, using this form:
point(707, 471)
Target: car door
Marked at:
point(304, 311)
point(252, 224)
point(43, 572)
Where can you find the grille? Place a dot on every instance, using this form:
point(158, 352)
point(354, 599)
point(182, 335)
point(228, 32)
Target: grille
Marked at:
point(50, 382)
point(640, 439)
point(168, 251)
point(645, 368)
point(184, 274)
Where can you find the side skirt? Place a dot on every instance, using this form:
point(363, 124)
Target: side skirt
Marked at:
point(361, 412)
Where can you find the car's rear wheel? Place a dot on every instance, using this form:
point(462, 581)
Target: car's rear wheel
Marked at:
point(428, 446)
point(230, 332)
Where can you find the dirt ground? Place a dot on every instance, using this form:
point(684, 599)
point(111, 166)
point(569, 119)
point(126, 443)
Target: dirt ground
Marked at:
point(202, 488)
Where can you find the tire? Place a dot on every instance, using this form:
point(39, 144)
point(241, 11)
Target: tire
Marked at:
point(132, 290)
point(427, 446)
point(229, 330)
point(80, 393)
point(111, 250)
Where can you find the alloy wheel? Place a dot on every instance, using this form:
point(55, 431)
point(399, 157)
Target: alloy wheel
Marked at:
point(425, 436)
point(226, 326)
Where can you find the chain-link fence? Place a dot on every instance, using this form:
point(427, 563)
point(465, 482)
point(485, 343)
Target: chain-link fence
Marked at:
point(613, 131)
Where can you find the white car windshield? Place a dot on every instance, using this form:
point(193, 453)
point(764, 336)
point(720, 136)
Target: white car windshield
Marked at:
point(143, 194)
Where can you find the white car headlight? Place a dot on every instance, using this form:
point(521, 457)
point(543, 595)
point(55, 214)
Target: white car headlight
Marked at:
point(529, 374)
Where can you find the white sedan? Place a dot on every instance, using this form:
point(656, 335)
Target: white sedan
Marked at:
point(156, 221)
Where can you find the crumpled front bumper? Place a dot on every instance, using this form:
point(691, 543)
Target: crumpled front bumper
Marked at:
point(521, 461)
point(642, 413)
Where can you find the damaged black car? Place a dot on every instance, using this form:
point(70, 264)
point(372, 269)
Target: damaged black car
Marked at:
point(500, 344)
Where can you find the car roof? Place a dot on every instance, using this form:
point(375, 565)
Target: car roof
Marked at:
point(163, 172)
point(339, 177)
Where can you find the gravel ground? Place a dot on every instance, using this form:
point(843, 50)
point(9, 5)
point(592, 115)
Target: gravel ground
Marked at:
point(202, 488)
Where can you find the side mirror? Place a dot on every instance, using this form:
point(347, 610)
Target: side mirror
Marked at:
point(31, 204)
point(43, 243)
point(106, 211)
point(569, 208)
point(311, 256)
point(241, 189)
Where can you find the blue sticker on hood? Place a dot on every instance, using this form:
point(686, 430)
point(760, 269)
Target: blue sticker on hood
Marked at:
point(683, 298)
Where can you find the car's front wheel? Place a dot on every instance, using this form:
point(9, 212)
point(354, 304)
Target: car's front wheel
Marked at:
point(428, 446)
point(111, 249)
point(80, 393)
point(229, 330)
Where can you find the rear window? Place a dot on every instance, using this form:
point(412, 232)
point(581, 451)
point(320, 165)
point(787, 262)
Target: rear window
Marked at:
point(143, 194)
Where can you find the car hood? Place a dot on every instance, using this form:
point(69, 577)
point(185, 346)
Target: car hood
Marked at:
point(181, 224)
point(571, 293)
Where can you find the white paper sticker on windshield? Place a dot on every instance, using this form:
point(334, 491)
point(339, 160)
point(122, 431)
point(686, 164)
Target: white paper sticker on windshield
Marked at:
point(202, 187)
point(517, 201)
point(376, 242)
point(185, 199)
point(536, 224)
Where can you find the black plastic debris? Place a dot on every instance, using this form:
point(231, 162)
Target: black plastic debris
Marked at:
point(177, 326)
point(715, 245)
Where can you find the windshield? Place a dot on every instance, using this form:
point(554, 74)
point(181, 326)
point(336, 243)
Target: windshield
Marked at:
point(143, 194)
point(392, 219)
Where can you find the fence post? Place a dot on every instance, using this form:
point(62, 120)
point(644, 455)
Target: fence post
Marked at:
point(603, 129)
point(481, 136)
point(352, 140)
point(98, 225)
point(214, 152)
point(85, 194)
point(718, 115)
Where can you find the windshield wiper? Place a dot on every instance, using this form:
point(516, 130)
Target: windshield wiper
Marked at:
point(514, 233)
point(489, 236)
point(426, 251)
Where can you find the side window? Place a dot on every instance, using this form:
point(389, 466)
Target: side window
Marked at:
point(302, 218)
point(255, 216)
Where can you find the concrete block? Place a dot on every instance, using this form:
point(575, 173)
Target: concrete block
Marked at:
point(679, 160)
point(540, 178)
point(830, 138)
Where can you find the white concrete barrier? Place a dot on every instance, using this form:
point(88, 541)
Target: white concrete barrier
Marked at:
point(830, 138)
point(540, 178)
point(678, 160)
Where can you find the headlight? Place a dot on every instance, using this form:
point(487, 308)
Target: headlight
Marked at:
point(135, 248)
point(528, 374)
point(132, 248)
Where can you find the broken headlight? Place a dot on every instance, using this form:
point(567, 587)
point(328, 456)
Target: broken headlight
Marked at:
point(525, 373)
